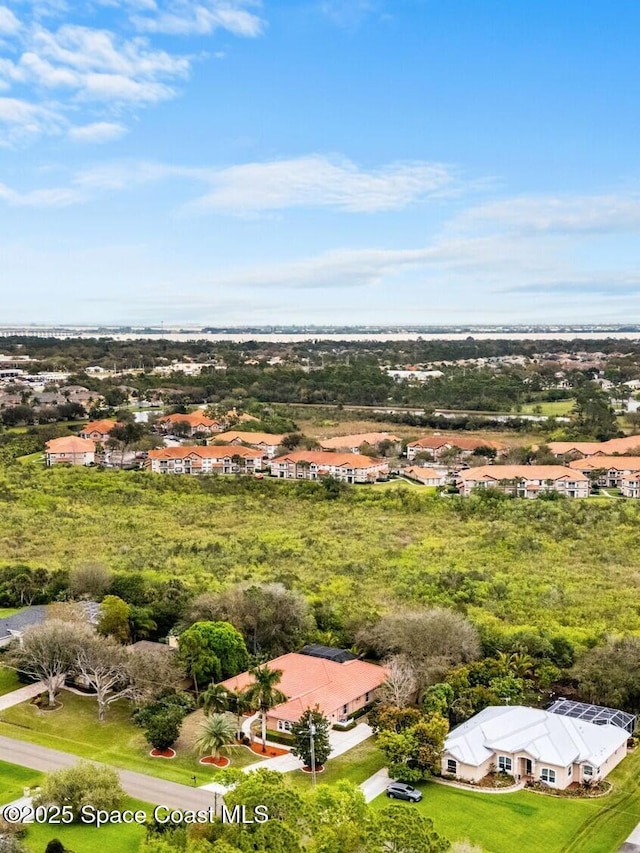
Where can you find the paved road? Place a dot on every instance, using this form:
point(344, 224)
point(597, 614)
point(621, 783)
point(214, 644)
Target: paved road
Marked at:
point(138, 785)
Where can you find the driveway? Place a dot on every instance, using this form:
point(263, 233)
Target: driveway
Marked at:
point(147, 788)
point(22, 694)
point(632, 844)
point(375, 785)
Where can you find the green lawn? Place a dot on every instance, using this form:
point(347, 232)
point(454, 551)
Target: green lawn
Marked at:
point(529, 823)
point(75, 728)
point(14, 779)
point(355, 766)
point(38, 456)
point(555, 408)
point(111, 838)
point(8, 680)
point(9, 611)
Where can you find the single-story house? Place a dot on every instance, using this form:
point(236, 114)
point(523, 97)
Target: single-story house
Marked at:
point(314, 464)
point(337, 686)
point(353, 443)
point(195, 421)
point(613, 469)
point(213, 459)
point(12, 627)
point(532, 744)
point(526, 481)
point(581, 449)
point(437, 445)
point(70, 450)
point(426, 476)
point(265, 441)
point(98, 431)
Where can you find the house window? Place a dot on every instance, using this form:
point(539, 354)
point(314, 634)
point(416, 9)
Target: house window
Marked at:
point(504, 764)
point(548, 775)
point(570, 770)
point(345, 709)
point(587, 770)
point(284, 726)
point(367, 696)
point(452, 766)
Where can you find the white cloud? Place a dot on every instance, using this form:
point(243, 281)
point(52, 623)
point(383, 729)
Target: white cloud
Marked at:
point(605, 212)
point(318, 181)
point(9, 24)
point(20, 120)
point(97, 132)
point(186, 17)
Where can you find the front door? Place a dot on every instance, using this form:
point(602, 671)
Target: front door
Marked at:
point(528, 767)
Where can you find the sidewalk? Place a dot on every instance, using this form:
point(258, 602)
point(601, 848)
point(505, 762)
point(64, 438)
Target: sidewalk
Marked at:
point(632, 844)
point(22, 694)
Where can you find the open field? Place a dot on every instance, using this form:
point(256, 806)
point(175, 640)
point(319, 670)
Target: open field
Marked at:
point(561, 565)
point(117, 741)
point(553, 409)
point(530, 822)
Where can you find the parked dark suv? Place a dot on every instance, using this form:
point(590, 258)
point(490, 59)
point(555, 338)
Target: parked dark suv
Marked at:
point(400, 791)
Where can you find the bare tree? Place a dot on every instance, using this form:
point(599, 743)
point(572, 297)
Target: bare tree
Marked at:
point(153, 673)
point(433, 640)
point(104, 666)
point(48, 652)
point(401, 685)
point(89, 580)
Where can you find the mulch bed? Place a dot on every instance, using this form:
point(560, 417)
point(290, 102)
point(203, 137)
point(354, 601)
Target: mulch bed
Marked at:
point(163, 753)
point(319, 769)
point(221, 761)
point(271, 751)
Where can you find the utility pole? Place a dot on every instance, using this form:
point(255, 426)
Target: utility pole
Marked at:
point(312, 732)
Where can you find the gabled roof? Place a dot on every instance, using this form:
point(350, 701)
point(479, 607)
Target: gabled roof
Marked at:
point(418, 473)
point(104, 426)
point(524, 472)
point(328, 459)
point(372, 438)
point(194, 419)
point(615, 463)
point(590, 448)
point(434, 442)
point(211, 451)
point(546, 737)
point(70, 444)
point(250, 437)
point(309, 681)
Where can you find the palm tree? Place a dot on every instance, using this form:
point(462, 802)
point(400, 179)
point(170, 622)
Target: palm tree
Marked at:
point(264, 695)
point(215, 699)
point(241, 704)
point(216, 736)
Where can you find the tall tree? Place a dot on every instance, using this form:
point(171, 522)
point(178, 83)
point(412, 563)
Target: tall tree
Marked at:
point(113, 620)
point(312, 726)
point(104, 666)
point(264, 694)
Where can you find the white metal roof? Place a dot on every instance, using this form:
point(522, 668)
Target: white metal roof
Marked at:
point(543, 736)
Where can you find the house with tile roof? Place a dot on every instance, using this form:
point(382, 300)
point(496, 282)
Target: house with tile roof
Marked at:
point(70, 450)
point(98, 431)
point(534, 745)
point(610, 470)
point(212, 459)
point(339, 689)
point(353, 443)
point(265, 441)
point(426, 476)
point(437, 445)
point(526, 481)
point(581, 449)
point(315, 464)
point(196, 422)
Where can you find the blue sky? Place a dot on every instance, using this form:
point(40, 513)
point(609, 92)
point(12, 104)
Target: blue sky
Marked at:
point(319, 161)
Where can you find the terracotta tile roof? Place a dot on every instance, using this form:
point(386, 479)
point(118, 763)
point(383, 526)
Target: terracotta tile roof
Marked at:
point(307, 681)
point(104, 426)
point(326, 458)
point(590, 448)
point(617, 463)
point(526, 472)
point(373, 438)
point(418, 473)
point(250, 437)
point(194, 419)
point(213, 451)
point(434, 442)
point(70, 444)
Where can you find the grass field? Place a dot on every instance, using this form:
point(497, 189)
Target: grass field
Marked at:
point(75, 728)
point(553, 409)
point(13, 781)
point(32, 457)
point(529, 823)
point(111, 838)
point(355, 766)
point(8, 680)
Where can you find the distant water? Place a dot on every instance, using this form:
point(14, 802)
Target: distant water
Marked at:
point(277, 337)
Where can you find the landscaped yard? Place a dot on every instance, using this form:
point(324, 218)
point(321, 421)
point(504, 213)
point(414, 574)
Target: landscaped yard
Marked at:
point(530, 822)
point(117, 741)
point(355, 766)
point(8, 680)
